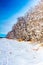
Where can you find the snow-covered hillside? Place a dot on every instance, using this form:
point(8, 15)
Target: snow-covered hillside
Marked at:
point(13, 52)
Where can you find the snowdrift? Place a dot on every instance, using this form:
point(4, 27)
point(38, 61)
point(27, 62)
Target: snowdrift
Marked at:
point(13, 52)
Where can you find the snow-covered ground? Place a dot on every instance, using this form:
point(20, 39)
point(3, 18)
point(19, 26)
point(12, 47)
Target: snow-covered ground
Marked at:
point(13, 52)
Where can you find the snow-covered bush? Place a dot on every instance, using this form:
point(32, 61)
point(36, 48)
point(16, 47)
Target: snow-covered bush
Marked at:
point(29, 27)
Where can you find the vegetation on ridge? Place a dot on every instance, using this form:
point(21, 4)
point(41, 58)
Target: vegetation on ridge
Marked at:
point(29, 27)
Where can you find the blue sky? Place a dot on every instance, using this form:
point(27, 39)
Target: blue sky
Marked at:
point(10, 10)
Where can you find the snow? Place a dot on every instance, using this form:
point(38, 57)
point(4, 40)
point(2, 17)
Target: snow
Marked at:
point(13, 52)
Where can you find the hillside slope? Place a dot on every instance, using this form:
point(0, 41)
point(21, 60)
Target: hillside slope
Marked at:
point(29, 27)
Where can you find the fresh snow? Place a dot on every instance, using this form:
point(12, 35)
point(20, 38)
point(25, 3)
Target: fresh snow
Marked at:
point(13, 52)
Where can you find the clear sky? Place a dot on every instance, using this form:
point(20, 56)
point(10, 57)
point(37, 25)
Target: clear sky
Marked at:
point(10, 10)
